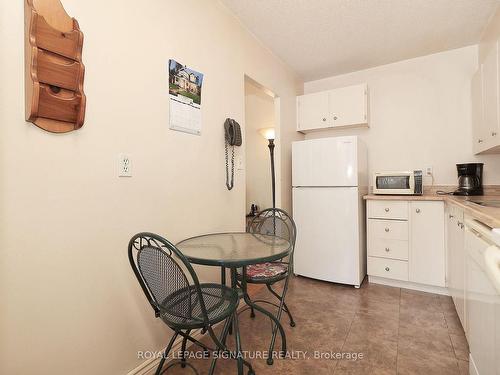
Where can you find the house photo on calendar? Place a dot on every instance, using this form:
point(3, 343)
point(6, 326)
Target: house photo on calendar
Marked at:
point(185, 98)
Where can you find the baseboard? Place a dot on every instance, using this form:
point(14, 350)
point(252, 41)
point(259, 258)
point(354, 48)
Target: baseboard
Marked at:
point(472, 366)
point(409, 285)
point(149, 366)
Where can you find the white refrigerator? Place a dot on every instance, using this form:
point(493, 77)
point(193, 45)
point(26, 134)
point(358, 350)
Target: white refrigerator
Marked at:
point(329, 179)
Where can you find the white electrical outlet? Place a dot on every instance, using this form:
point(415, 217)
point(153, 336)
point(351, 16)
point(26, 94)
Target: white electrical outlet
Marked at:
point(428, 171)
point(124, 166)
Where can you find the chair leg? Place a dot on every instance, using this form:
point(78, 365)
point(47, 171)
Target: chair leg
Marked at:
point(165, 354)
point(183, 349)
point(252, 311)
point(277, 326)
point(219, 342)
point(278, 317)
point(286, 309)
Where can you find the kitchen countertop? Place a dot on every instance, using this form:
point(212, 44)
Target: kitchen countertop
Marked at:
point(487, 215)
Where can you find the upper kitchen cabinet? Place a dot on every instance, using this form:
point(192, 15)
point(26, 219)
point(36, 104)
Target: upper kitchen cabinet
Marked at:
point(479, 129)
point(342, 107)
point(313, 111)
point(485, 105)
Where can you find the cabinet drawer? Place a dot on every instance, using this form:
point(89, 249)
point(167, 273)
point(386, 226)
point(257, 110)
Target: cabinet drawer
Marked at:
point(58, 71)
point(389, 268)
point(387, 229)
point(68, 44)
point(386, 248)
point(63, 105)
point(388, 209)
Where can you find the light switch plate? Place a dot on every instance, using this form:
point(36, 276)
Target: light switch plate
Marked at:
point(124, 164)
point(239, 163)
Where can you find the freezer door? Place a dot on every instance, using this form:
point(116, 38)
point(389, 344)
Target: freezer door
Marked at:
point(325, 162)
point(328, 241)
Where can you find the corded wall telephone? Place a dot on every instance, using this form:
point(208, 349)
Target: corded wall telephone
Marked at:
point(232, 135)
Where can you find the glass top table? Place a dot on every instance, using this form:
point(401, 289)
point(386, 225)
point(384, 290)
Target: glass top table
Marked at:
point(236, 249)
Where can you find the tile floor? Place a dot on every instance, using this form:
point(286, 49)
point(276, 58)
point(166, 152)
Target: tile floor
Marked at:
point(398, 331)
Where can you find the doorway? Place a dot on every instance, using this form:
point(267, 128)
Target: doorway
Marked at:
point(260, 117)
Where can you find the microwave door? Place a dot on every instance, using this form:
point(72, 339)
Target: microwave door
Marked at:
point(394, 184)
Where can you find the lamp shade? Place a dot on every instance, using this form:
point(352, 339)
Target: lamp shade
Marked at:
point(267, 133)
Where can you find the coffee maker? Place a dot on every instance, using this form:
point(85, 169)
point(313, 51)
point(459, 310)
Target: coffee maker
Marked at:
point(470, 179)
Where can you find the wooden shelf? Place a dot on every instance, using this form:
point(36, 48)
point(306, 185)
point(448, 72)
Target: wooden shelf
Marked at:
point(55, 100)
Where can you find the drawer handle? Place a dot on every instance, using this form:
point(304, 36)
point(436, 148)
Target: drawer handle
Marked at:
point(387, 210)
point(387, 229)
point(387, 249)
point(417, 210)
point(387, 269)
point(451, 216)
point(324, 119)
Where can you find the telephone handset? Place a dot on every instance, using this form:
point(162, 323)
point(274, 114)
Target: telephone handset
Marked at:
point(232, 135)
point(233, 132)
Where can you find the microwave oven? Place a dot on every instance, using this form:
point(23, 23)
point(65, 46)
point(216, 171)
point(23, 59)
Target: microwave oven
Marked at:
point(406, 183)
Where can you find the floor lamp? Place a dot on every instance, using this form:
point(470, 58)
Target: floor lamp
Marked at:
point(268, 133)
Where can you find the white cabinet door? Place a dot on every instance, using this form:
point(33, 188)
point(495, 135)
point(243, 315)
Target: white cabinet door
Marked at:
point(479, 128)
point(490, 97)
point(313, 111)
point(349, 105)
point(456, 260)
point(427, 251)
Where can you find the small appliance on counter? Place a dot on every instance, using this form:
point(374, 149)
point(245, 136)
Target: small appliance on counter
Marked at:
point(396, 183)
point(254, 210)
point(470, 179)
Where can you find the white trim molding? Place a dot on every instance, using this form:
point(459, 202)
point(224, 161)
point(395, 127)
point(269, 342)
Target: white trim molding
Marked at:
point(408, 285)
point(148, 367)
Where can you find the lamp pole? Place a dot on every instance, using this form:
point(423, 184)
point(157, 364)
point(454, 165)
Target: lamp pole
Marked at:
point(273, 183)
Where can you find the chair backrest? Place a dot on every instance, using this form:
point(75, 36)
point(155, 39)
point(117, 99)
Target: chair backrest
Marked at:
point(163, 273)
point(274, 221)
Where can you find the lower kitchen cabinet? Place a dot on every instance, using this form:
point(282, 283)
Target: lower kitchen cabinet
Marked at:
point(406, 241)
point(427, 250)
point(454, 218)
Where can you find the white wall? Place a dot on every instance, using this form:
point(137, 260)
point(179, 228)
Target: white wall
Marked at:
point(490, 36)
point(420, 114)
point(70, 303)
point(259, 113)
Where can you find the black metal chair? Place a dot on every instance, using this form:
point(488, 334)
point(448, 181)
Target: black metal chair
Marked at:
point(181, 302)
point(276, 222)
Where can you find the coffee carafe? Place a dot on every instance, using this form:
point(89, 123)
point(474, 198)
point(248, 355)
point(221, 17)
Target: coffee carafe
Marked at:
point(470, 179)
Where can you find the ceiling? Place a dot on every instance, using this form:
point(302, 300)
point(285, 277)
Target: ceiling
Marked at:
point(321, 38)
